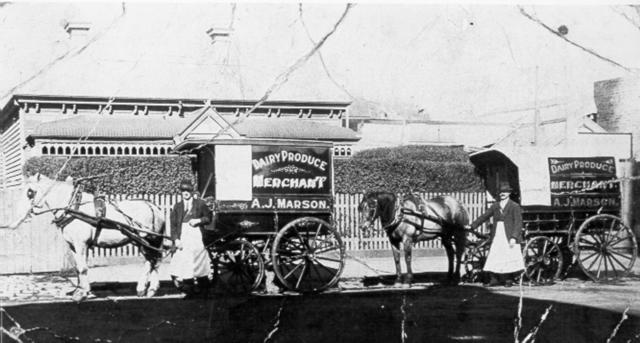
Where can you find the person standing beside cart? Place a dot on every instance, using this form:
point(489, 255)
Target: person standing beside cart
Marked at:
point(505, 255)
point(190, 265)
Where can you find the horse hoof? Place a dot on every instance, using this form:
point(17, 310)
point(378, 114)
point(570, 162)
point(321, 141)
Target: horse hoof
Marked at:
point(406, 285)
point(151, 293)
point(140, 294)
point(79, 297)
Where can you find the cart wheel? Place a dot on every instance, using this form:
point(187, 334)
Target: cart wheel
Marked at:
point(543, 260)
point(238, 266)
point(308, 255)
point(605, 248)
point(473, 259)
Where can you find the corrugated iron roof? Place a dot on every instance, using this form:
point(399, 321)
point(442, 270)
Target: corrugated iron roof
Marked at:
point(145, 128)
point(102, 126)
point(294, 129)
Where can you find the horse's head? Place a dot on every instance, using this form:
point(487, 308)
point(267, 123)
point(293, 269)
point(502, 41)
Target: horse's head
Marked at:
point(38, 193)
point(368, 211)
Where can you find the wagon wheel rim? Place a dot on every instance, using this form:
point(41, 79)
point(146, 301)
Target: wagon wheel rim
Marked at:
point(473, 260)
point(237, 267)
point(308, 255)
point(543, 260)
point(605, 248)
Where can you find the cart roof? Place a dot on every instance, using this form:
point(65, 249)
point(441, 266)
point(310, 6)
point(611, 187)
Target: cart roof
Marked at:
point(532, 162)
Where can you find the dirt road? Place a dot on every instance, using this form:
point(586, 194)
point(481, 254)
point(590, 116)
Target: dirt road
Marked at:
point(366, 308)
point(580, 311)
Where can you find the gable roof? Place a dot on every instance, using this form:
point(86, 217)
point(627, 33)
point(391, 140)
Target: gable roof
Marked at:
point(205, 124)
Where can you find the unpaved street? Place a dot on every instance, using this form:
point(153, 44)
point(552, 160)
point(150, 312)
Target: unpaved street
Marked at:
point(366, 310)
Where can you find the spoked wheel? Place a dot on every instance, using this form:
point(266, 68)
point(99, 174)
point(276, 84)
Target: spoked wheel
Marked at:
point(238, 266)
point(473, 259)
point(543, 260)
point(605, 248)
point(308, 255)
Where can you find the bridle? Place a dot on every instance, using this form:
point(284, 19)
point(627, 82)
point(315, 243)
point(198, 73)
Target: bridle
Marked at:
point(60, 217)
point(373, 215)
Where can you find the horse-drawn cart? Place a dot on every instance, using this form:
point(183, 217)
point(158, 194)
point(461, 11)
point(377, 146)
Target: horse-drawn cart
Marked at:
point(571, 213)
point(272, 202)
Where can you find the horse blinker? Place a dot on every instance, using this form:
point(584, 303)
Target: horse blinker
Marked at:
point(31, 193)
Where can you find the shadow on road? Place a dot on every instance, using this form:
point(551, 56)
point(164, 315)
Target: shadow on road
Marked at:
point(435, 314)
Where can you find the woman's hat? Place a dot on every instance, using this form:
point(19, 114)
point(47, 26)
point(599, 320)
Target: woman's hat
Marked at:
point(185, 186)
point(505, 187)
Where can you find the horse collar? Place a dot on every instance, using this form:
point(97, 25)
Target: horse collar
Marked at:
point(397, 218)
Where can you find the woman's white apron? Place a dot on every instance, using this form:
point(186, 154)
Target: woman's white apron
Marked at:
point(503, 258)
point(193, 260)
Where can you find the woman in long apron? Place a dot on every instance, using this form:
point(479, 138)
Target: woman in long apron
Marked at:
point(190, 265)
point(505, 254)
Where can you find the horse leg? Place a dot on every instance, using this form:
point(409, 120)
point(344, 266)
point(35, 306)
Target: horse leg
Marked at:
point(149, 275)
point(408, 246)
point(154, 279)
point(450, 256)
point(396, 259)
point(149, 281)
point(84, 288)
point(460, 244)
point(77, 285)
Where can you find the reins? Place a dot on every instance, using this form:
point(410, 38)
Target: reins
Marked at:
point(401, 213)
point(70, 212)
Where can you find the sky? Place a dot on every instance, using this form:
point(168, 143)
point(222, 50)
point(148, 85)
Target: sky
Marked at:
point(439, 61)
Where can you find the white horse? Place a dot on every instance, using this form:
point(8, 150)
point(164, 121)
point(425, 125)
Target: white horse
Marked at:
point(45, 196)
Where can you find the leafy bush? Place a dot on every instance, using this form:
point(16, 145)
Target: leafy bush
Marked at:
point(415, 168)
point(417, 152)
point(119, 175)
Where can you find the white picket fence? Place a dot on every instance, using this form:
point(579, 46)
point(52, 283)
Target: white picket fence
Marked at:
point(38, 246)
point(346, 218)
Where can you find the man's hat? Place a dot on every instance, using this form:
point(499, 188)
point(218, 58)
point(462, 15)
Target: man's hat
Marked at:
point(505, 187)
point(185, 186)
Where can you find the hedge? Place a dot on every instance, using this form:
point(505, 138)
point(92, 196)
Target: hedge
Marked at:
point(358, 176)
point(417, 152)
point(416, 168)
point(124, 175)
point(408, 168)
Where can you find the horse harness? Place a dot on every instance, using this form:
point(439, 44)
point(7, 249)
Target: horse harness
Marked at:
point(403, 212)
point(71, 212)
point(400, 214)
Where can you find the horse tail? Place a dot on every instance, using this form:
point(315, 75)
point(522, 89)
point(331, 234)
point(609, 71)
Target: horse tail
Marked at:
point(158, 216)
point(458, 213)
point(158, 225)
point(459, 219)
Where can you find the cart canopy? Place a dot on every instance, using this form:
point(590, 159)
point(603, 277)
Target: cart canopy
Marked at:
point(567, 175)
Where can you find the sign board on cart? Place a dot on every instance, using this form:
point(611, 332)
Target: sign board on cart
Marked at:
point(584, 182)
point(275, 177)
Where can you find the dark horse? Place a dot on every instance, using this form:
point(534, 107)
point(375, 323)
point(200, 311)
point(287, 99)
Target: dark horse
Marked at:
point(411, 219)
